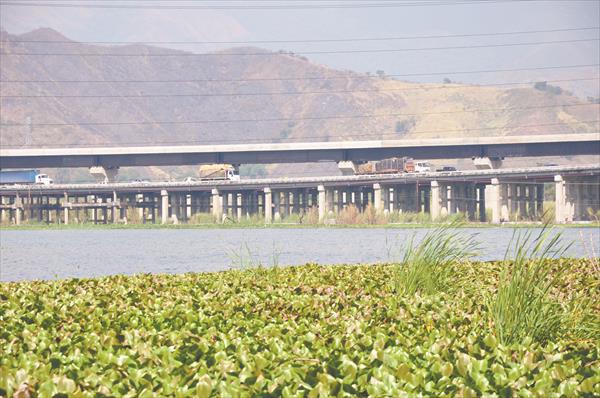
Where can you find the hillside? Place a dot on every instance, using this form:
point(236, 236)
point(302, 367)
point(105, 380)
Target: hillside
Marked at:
point(420, 110)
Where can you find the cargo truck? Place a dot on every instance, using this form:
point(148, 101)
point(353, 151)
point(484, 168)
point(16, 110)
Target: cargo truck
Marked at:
point(24, 177)
point(218, 172)
point(388, 166)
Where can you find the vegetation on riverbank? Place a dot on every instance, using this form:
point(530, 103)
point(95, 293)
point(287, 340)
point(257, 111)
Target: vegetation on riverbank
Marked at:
point(291, 222)
point(315, 331)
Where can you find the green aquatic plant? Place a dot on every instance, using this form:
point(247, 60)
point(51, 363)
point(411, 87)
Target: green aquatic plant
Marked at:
point(307, 331)
point(522, 306)
point(427, 266)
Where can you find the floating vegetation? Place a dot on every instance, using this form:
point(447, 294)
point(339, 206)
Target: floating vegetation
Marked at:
point(309, 331)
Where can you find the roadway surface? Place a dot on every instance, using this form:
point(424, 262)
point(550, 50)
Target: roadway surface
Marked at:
point(303, 152)
point(545, 174)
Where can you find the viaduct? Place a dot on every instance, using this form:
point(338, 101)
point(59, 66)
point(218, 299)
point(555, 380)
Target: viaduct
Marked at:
point(493, 195)
point(480, 195)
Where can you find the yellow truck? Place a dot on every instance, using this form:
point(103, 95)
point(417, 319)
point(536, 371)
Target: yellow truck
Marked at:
point(208, 172)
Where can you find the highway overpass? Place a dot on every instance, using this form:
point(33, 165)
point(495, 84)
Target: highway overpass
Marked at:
point(506, 194)
point(302, 152)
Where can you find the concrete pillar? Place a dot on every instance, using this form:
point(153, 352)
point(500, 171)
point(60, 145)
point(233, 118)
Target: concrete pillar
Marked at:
point(66, 209)
point(286, 203)
point(470, 201)
point(481, 202)
point(560, 201)
point(377, 199)
point(539, 195)
point(268, 205)
point(217, 205)
point(188, 206)
point(277, 206)
point(164, 206)
point(329, 200)
point(436, 201)
point(3, 217)
point(116, 210)
point(496, 200)
point(322, 203)
point(340, 199)
point(504, 202)
point(238, 206)
point(385, 192)
point(18, 207)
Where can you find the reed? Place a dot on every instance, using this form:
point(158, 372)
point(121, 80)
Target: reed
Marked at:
point(522, 306)
point(427, 267)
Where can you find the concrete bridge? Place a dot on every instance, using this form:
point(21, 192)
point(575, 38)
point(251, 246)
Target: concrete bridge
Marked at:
point(480, 195)
point(302, 152)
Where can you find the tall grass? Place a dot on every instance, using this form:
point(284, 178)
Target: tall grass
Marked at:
point(427, 267)
point(522, 306)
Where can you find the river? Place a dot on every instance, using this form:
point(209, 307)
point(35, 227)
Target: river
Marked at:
point(52, 254)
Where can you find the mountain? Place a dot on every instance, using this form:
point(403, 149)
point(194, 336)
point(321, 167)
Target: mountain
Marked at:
point(253, 89)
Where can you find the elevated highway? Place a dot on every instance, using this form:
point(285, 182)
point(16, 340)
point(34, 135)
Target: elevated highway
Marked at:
point(479, 195)
point(302, 152)
point(539, 174)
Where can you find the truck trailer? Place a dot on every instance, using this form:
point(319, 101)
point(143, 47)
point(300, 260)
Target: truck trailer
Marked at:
point(388, 166)
point(24, 177)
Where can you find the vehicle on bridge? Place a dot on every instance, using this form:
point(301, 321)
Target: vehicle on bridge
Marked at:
point(422, 167)
point(445, 168)
point(387, 166)
point(209, 172)
point(24, 177)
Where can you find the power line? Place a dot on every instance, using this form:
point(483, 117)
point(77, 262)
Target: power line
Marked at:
point(308, 40)
point(345, 76)
point(269, 53)
point(357, 5)
point(287, 119)
point(258, 94)
point(370, 135)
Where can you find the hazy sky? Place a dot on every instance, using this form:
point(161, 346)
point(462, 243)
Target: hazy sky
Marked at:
point(250, 25)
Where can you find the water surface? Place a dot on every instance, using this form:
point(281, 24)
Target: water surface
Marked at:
point(51, 254)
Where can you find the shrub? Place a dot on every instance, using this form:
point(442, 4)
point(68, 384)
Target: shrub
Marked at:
point(350, 215)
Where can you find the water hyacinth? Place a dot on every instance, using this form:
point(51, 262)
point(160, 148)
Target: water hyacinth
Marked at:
point(309, 331)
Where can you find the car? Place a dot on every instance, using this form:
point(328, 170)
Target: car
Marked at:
point(140, 181)
point(446, 168)
point(190, 179)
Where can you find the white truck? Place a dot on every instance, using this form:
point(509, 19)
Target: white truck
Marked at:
point(422, 167)
point(24, 177)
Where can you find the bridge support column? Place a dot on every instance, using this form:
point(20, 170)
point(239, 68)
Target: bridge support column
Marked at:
point(164, 206)
point(495, 191)
point(435, 201)
point(329, 193)
point(268, 205)
point(277, 206)
point(238, 206)
point(471, 201)
point(377, 199)
point(487, 162)
point(480, 203)
point(217, 205)
point(65, 207)
point(104, 175)
point(560, 201)
point(18, 207)
point(4, 213)
point(188, 207)
point(322, 203)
